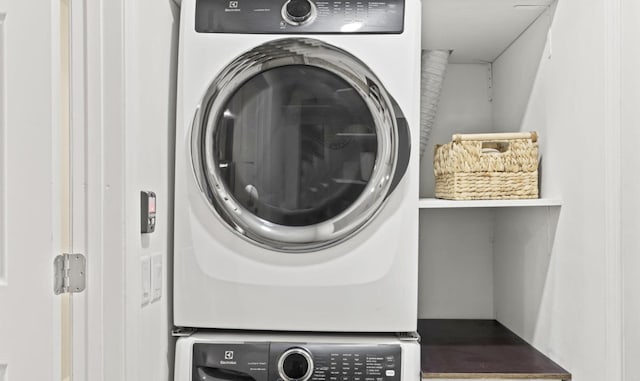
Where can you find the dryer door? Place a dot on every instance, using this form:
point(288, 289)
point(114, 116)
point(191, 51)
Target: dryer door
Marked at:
point(296, 145)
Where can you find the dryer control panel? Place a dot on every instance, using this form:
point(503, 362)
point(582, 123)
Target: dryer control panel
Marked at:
point(296, 362)
point(300, 16)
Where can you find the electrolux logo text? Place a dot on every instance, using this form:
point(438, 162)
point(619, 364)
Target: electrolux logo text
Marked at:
point(234, 6)
point(228, 358)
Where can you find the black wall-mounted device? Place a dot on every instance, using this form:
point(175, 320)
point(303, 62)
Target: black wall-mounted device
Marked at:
point(147, 212)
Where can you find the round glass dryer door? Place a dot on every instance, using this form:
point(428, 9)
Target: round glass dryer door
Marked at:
point(296, 145)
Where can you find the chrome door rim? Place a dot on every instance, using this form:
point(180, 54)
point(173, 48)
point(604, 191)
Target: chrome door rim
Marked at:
point(285, 52)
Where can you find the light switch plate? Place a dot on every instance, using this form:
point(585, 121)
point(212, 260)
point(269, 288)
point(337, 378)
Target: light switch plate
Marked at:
point(156, 277)
point(145, 276)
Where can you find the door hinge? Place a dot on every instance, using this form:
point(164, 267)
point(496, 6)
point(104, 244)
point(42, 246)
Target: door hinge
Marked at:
point(70, 273)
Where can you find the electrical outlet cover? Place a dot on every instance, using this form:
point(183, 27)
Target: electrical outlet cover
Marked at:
point(156, 277)
point(145, 275)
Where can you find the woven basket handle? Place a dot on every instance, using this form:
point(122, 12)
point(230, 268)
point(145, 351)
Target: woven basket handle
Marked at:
point(493, 137)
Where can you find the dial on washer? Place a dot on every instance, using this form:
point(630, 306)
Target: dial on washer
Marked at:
point(295, 364)
point(298, 11)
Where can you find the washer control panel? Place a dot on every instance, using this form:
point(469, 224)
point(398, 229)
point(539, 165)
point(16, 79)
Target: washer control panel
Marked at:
point(296, 362)
point(299, 16)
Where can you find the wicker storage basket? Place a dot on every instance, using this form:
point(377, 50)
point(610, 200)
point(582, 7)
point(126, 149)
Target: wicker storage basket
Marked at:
point(487, 167)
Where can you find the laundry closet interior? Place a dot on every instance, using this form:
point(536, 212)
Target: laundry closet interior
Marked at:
point(535, 266)
point(488, 259)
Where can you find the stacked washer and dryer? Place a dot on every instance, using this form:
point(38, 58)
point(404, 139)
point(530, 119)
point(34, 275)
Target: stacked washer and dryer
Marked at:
point(296, 190)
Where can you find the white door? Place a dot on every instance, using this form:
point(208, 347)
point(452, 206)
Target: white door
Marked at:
point(30, 191)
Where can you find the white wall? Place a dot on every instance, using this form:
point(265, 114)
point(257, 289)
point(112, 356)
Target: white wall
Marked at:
point(456, 264)
point(551, 282)
point(524, 237)
point(464, 107)
point(150, 42)
point(631, 185)
point(456, 251)
point(514, 75)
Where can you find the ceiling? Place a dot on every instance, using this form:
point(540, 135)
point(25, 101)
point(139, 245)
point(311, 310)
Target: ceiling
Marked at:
point(476, 30)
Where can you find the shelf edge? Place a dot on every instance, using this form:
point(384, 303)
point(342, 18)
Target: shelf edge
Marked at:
point(498, 376)
point(434, 203)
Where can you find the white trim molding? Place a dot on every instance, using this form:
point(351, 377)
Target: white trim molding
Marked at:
point(78, 178)
point(104, 171)
point(613, 188)
point(3, 150)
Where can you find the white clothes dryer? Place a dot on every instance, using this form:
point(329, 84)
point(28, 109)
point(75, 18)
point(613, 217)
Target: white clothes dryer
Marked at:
point(296, 188)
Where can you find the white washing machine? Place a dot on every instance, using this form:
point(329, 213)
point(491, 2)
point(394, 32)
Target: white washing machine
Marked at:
point(296, 184)
point(290, 357)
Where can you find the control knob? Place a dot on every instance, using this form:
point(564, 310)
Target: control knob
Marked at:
point(295, 364)
point(298, 12)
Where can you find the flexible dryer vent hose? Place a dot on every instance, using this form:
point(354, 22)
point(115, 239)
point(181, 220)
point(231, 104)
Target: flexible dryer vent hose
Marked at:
point(434, 67)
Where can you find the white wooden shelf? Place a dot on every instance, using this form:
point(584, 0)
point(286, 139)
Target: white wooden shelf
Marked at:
point(435, 203)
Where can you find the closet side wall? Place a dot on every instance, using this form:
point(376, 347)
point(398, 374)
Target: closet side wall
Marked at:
point(550, 263)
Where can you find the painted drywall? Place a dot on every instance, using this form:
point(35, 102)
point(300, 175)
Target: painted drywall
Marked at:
point(630, 136)
point(513, 83)
point(488, 26)
point(150, 56)
point(456, 264)
point(550, 281)
point(456, 251)
point(464, 107)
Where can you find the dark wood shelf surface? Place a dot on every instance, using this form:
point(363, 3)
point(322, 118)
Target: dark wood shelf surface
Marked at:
point(480, 349)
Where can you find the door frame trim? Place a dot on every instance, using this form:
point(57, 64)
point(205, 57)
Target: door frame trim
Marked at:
point(613, 189)
point(101, 344)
